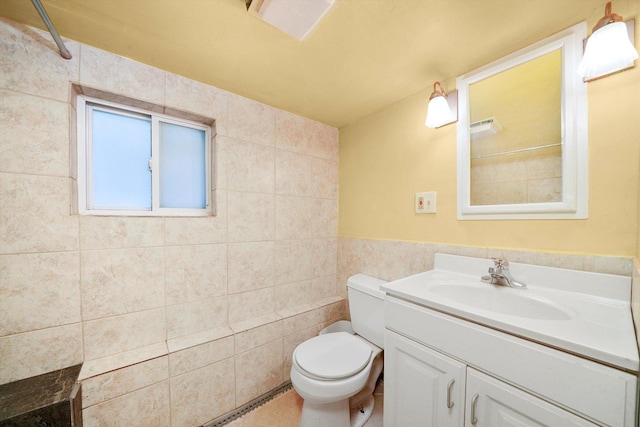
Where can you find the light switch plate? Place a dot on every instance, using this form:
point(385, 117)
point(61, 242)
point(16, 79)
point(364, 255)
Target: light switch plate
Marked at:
point(426, 202)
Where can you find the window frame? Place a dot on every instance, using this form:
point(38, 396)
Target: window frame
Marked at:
point(85, 105)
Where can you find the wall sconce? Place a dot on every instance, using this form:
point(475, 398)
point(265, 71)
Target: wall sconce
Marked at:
point(442, 108)
point(610, 47)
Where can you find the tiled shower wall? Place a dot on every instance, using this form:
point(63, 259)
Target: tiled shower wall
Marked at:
point(177, 320)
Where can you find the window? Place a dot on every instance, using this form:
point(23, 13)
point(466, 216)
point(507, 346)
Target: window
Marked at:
point(137, 162)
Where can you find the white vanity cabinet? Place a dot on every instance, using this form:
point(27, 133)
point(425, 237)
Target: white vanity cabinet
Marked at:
point(426, 388)
point(422, 386)
point(491, 402)
point(443, 371)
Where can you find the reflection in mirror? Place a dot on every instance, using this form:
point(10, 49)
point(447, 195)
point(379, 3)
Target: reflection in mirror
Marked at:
point(522, 134)
point(516, 150)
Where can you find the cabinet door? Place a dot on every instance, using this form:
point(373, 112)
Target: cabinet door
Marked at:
point(491, 403)
point(423, 388)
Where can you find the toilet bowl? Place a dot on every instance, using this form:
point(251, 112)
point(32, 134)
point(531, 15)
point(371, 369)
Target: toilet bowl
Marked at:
point(338, 369)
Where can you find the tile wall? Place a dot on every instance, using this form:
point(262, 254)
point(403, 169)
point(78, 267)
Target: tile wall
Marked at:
point(177, 320)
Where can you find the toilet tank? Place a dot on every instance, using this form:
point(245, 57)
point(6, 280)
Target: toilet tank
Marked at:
point(366, 306)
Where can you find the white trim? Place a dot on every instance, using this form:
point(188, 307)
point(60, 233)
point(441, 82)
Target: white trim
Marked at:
point(574, 134)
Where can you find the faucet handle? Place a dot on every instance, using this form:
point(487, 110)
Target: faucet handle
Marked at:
point(501, 264)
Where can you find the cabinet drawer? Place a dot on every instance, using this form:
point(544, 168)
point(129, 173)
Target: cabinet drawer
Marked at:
point(601, 393)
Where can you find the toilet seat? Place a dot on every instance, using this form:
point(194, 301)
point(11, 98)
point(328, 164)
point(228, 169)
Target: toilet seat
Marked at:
point(333, 356)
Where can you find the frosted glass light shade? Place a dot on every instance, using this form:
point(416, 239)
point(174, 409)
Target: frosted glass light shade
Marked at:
point(439, 113)
point(608, 50)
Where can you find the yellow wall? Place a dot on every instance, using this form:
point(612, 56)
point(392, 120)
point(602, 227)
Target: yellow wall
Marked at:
point(387, 157)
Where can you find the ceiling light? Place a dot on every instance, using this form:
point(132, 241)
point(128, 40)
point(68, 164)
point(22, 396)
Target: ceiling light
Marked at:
point(442, 108)
point(609, 49)
point(295, 17)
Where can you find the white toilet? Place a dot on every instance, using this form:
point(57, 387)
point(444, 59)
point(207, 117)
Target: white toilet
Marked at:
point(336, 372)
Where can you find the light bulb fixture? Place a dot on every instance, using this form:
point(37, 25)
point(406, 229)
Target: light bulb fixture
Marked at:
point(610, 47)
point(442, 108)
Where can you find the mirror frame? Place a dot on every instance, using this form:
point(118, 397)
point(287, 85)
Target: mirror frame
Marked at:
point(574, 125)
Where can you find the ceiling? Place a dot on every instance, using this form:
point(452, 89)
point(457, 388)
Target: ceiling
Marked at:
point(364, 56)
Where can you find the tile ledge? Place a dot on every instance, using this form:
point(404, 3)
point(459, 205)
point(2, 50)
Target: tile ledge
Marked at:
point(92, 368)
point(181, 343)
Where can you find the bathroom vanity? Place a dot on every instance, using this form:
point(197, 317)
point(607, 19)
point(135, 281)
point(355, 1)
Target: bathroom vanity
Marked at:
point(462, 352)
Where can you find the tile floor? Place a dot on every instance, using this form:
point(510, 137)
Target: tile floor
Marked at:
point(284, 411)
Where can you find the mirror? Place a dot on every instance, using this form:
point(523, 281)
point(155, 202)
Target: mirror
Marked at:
point(522, 134)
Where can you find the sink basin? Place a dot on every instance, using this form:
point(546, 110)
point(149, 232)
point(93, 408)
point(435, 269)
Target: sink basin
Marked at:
point(504, 301)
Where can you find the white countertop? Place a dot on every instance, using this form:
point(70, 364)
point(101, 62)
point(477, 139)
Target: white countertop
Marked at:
point(598, 324)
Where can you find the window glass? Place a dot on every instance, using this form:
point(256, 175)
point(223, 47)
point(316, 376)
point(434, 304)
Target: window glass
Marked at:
point(183, 176)
point(121, 148)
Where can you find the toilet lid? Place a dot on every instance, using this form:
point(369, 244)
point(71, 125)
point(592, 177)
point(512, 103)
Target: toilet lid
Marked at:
point(333, 356)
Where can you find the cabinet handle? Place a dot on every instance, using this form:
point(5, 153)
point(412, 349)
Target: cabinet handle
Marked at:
point(449, 387)
point(474, 401)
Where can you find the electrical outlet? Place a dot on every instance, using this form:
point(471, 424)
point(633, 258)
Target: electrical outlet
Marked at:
point(426, 202)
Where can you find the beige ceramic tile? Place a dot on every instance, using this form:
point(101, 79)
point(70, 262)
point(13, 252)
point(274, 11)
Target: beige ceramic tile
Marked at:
point(30, 62)
point(38, 352)
point(395, 260)
point(119, 281)
point(39, 147)
point(35, 214)
point(195, 316)
point(294, 174)
point(324, 287)
point(251, 266)
point(95, 367)
point(251, 304)
point(199, 338)
point(295, 217)
point(250, 121)
point(199, 230)
point(189, 95)
point(111, 232)
point(258, 371)
point(148, 406)
point(325, 262)
point(254, 322)
point(301, 321)
point(39, 291)
point(333, 310)
point(291, 295)
point(294, 261)
point(201, 355)
point(622, 266)
point(325, 219)
point(255, 337)
point(122, 381)
point(324, 178)
point(203, 394)
point(250, 167)
point(104, 70)
point(113, 335)
point(302, 135)
point(221, 162)
point(195, 272)
point(251, 217)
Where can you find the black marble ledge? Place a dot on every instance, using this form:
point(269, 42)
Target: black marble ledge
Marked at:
point(51, 399)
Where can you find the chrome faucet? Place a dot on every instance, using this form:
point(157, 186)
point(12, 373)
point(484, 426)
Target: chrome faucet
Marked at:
point(499, 274)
